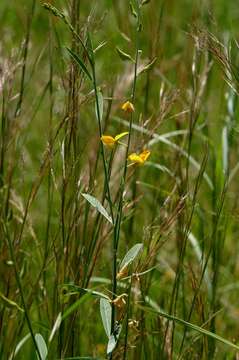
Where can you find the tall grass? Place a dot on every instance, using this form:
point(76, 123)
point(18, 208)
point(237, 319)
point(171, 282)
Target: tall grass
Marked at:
point(106, 252)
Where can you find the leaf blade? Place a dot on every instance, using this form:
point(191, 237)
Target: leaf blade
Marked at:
point(79, 62)
point(9, 303)
point(105, 312)
point(96, 204)
point(131, 255)
point(41, 346)
point(191, 326)
point(100, 100)
point(123, 55)
point(55, 326)
point(113, 339)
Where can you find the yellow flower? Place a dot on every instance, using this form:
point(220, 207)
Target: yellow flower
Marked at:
point(110, 141)
point(128, 107)
point(139, 159)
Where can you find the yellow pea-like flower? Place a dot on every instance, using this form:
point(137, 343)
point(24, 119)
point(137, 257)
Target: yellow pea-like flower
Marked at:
point(144, 155)
point(128, 107)
point(110, 141)
point(139, 159)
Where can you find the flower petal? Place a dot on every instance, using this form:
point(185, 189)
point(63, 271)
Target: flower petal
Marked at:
point(145, 155)
point(108, 140)
point(135, 158)
point(119, 136)
point(128, 107)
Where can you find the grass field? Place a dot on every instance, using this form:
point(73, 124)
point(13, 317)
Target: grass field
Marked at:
point(119, 212)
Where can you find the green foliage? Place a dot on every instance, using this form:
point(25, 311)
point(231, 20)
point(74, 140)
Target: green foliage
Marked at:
point(101, 257)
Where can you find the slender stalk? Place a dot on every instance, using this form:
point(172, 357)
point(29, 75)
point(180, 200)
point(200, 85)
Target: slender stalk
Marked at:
point(25, 54)
point(123, 181)
point(19, 284)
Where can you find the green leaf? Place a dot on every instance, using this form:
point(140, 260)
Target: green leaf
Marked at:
point(113, 340)
point(101, 45)
point(105, 312)
point(80, 358)
point(9, 303)
point(101, 105)
point(111, 344)
point(55, 326)
point(79, 289)
point(20, 345)
point(131, 255)
point(132, 9)
point(148, 66)
point(80, 63)
point(96, 204)
point(190, 326)
point(90, 49)
point(123, 55)
point(41, 346)
point(86, 295)
point(74, 306)
point(225, 149)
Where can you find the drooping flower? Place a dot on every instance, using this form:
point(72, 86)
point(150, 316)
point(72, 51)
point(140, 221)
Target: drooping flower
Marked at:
point(139, 159)
point(110, 141)
point(128, 107)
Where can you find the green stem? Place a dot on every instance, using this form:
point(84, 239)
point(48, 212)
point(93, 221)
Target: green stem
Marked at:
point(13, 259)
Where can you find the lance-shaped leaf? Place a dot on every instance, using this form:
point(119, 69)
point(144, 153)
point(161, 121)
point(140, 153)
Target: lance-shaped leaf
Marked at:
point(96, 204)
point(90, 49)
point(132, 9)
point(19, 346)
point(106, 312)
point(123, 55)
point(113, 340)
point(74, 289)
point(80, 63)
point(100, 100)
point(148, 66)
point(9, 303)
point(41, 346)
point(56, 326)
point(130, 256)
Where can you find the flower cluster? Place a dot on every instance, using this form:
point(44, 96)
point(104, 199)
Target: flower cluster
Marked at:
point(110, 141)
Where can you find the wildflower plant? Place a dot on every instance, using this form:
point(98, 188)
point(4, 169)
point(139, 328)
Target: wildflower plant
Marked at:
point(111, 141)
point(128, 107)
point(140, 158)
point(103, 253)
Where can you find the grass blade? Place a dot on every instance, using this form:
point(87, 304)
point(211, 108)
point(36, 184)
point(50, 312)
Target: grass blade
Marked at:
point(192, 327)
point(80, 63)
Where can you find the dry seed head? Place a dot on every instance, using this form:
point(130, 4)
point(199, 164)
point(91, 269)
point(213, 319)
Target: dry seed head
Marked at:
point(120, 301)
